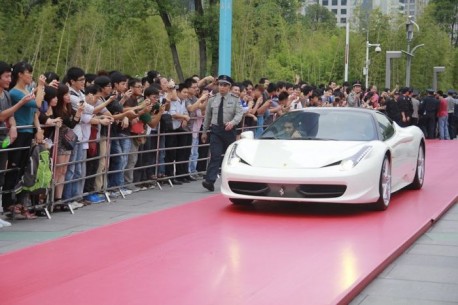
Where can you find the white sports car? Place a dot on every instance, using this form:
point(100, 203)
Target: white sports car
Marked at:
point(338, 155)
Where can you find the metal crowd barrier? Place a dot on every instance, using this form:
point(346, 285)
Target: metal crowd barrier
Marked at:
point(49, 204)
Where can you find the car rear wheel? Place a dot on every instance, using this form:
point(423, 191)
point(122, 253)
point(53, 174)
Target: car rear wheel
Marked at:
point(417, 182)
point(238, 201)
point(384, 186)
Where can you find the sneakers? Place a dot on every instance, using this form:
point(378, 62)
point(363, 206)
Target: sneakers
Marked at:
point(4, 223)
point(93, 198)
point(126, 191)
point(76, 205)
point(114, 194)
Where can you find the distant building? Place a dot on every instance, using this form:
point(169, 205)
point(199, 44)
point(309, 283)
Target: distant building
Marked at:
point(412, 7)
point(343, 9)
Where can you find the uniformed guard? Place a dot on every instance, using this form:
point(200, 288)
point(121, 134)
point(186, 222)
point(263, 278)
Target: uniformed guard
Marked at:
point(222, 115)
point(428, 111)
point(405, 106)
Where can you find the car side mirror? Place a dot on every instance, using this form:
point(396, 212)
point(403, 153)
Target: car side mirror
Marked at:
point(247, 135)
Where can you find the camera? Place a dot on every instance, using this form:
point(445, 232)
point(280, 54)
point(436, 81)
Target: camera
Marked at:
point(378, 49)
point(81, 102)
point(156, 107)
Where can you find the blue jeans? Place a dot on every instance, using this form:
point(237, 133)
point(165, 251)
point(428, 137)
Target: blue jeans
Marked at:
point(75, 171)
point(118, 163)
point(260, 128)
point(194, 155)
point(443, 128)
point(261, 121)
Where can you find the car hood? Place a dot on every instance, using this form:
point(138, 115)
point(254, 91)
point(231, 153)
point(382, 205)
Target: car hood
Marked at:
point(295, 153)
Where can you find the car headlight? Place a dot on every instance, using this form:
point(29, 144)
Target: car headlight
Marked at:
point(233, 158)
point(351, 162)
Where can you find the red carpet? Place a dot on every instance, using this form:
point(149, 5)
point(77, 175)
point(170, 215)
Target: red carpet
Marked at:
point(209, 252)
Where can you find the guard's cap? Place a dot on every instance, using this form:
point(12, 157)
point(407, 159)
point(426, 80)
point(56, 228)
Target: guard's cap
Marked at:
point(225, 79)
point(404, 90)
point(430, 91)
point(356, 83)
point(451, 91)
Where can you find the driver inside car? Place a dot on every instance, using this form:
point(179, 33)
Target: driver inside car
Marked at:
point(290, 131)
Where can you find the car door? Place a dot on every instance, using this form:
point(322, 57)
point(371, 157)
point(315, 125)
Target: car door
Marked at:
point(394, 143)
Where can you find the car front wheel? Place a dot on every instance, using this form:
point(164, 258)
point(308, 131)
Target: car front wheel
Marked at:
point(384, 186)
point(417, 182)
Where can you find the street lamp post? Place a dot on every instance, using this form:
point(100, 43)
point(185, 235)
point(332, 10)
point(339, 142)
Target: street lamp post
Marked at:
point(435, 71)
point(389, 56)
point(366, 68)
point(409, 29)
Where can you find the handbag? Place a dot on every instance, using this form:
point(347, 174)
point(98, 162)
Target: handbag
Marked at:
point(69, 138)
point(138, 128)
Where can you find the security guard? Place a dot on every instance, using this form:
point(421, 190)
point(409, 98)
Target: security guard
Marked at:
point(222, 115)
point(405, 106)
point(428, 111)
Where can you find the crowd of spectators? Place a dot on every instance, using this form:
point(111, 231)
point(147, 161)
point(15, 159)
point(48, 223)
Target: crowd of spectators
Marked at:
point(149, 127)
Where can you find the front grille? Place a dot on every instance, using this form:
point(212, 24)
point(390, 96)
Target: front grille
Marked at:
point(311, 191)
point(249, 188)
point(321, 190)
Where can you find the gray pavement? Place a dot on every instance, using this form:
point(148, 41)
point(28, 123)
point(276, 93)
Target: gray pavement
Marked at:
point(425, 274)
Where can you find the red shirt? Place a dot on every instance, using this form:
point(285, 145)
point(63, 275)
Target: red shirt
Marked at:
point(443, 108)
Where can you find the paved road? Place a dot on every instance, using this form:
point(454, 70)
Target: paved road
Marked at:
point(426, 274)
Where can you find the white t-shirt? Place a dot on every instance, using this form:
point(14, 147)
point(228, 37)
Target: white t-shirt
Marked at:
point(83, 128)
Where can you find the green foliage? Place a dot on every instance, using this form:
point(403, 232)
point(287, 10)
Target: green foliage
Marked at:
point(269, 39)
point(445, 13)
point(318, 17)
point(437, 52)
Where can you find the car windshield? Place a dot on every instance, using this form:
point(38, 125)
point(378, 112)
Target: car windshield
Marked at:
point(325, 125)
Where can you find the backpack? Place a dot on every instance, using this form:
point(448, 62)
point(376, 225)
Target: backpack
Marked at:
point(38, 173)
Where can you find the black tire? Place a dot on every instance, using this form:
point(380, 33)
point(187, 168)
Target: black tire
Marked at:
point(419, 178)
point(238, 201)
point(384, 186)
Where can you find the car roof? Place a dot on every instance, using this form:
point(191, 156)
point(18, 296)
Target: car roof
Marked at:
point(336, 109)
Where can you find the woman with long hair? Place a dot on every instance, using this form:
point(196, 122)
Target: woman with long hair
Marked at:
point(25, 116)
point(63, 110)
point(47, 114)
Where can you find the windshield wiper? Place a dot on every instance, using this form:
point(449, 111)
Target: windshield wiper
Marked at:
point(313, 138)
point(268, 138)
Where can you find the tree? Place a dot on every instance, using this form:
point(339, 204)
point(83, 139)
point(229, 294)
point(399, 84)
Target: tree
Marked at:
point(203, 22)
point(445, 13)
point(317, 17)
point(173, 32)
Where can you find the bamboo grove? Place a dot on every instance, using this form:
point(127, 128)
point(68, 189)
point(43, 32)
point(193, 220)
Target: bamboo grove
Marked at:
point(180, 38)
